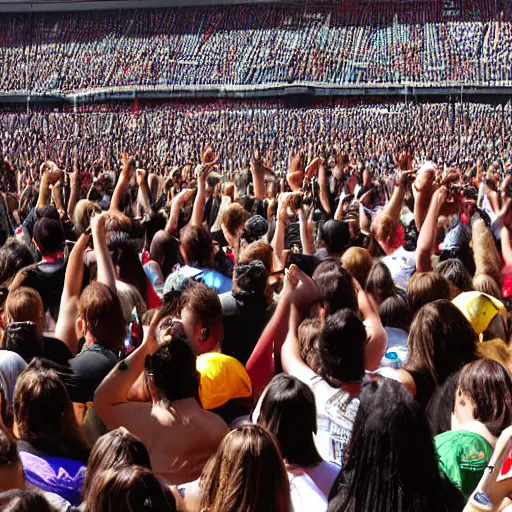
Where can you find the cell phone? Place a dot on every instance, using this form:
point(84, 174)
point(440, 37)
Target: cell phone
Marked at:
point(134, 334)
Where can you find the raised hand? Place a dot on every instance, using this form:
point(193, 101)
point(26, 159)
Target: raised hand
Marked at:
point(128, 168)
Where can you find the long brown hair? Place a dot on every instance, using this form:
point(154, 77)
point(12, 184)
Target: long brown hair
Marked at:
point(441, 341)
point(114, 450)
point(128, 489)
point(247, 473)
point(43, 409)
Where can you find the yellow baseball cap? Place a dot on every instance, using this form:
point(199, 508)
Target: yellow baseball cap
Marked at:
point(223, 378)
point(479, 309)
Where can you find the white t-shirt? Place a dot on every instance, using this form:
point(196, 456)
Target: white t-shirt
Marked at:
point(310, 487)
point(401, 264)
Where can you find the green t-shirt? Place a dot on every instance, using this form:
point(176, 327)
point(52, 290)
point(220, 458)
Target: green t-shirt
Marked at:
point(463, 457)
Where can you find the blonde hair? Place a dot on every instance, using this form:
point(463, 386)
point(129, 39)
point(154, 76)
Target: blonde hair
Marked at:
point(358, 262)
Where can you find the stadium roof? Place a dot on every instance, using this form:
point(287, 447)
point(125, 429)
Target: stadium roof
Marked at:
point(87, 5)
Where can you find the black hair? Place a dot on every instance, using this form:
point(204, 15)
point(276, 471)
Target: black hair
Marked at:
point(124, 251)
point(336, 286)
point(165, 250)
point(336, 236)
point(173, 367)
point(394, 312)
point(379, 282)
point(24, 500)
point(14, 255)
point(288, 411)
point(9, 455)
point(49, 236)
point(381, 469)
point(341, 344)
point(456, 273)
point(47, 212)
point(23, 338)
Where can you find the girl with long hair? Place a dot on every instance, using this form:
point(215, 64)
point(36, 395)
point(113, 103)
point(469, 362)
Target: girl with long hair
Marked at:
point(288, 412)
point(390, 463)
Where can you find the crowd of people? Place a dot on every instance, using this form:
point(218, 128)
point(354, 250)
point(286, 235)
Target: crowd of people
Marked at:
point(164, 135)
point(250, 307)
point(351, 43)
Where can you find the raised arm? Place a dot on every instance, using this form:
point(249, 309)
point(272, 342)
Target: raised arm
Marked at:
point(506, 248)
point(487, 258)
point(258, 171)
point(208, 160)
point(114, 390)
point(306, 232)
point(260, 365)
point(122, 183)
point(65, 328)
point(304, 295)
point(376, 337)
point(176, 205)
point(278, 239)
point(106, 270)
point(323, 185)
point(44, 187)
point(423, 189)
point(74, 187)
point(427, 236)
point(143, 194)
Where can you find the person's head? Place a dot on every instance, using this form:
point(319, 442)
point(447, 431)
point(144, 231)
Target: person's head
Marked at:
point(49, 237)
point(117, 221)
point(129, 489)
point(232, 220)
point(394, 312)
point(25, 305)
point(484, 393)
point(485, 313)
point(335, 237)
point(380, 467)
point(11, 365)
point(84, 210)
point(165, 250)
point(379, 282)
point(425, 287)
point(247, 473)
point(309, 339)
point(250, 280)
point(342, 342)
point(201, 312)
point(14, 256)
point(389, 232)
point(171, 372)
point(459, 279)
point(288, 412)
point(255, 228)
point(441, 341)
point(24, 500)
point(100, 317)
point(42, 407)
point(336, 286)
point(486, 284)
point(196, 246)
point(114, 450)
point(358, 262)
point(11, 469)
point(124, 252)
point(259, 250)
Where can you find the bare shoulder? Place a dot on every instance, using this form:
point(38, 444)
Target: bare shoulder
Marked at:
point(404, 377)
